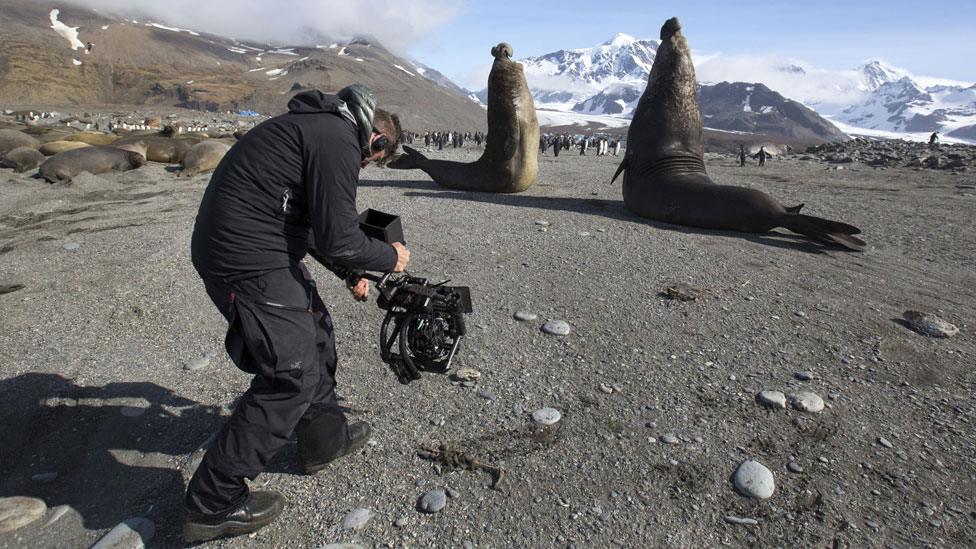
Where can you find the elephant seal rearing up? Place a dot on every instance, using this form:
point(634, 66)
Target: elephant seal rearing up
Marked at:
point(664, 174)
point(62, 167)
point(510, 161)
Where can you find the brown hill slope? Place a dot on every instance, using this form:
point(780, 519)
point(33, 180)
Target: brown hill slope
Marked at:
point(135, 63)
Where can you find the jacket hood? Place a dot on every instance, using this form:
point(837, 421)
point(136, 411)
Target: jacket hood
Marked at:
point(314, 101)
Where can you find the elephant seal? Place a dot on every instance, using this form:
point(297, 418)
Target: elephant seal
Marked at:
point(510, 162)
point(664, 170)
point(52, 148)
point(11, 139)
point(203, 157)
point(163, 149)
point(22, 159)
point(92, 138)
point(62, 167)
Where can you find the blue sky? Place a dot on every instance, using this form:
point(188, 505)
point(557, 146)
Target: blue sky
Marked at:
point(931, 39)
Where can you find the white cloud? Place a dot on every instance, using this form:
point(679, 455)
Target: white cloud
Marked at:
point(811, 86)
point(394, 23)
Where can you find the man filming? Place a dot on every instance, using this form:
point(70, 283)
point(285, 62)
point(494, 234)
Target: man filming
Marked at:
point(287, 187)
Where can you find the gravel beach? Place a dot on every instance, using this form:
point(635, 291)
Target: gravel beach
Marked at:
point(114, 376)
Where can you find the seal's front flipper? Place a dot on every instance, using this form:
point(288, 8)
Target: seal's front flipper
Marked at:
point(795, 209)
point(411, 159)
point(620, 168)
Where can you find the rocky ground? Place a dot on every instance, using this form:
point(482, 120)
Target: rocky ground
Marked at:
point(113, 373)
point(897, 153)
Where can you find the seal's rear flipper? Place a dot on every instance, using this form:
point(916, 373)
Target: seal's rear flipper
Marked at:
point(411, 159)
point(795, 209)
point(825, 230)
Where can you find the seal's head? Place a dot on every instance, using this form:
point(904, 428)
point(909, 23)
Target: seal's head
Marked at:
point(670, 28)
point(502, 51)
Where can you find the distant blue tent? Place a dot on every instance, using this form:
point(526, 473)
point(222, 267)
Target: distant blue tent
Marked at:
point(248, 113)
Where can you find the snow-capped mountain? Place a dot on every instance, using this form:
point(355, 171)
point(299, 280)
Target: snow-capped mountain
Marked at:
point(905, 106)
point(877, 73)
point(614, 99)
point(561, 79)
point(754, 108)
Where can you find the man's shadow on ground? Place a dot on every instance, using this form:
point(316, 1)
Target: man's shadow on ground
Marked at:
point(52, 425)
point(613, 209)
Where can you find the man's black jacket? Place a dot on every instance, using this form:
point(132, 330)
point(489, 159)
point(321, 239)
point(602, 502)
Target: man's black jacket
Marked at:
point(291, 177)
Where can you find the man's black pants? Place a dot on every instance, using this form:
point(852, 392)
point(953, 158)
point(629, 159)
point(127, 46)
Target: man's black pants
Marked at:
point(279, 331)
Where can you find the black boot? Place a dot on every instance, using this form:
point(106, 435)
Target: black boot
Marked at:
point(258, 510)
point(320, 443)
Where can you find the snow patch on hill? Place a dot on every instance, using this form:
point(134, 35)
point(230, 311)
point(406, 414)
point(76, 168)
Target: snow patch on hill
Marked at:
point(69, 33)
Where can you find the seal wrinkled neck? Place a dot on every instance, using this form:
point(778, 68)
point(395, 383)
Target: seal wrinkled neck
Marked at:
point(670, 28)
point(502, 51)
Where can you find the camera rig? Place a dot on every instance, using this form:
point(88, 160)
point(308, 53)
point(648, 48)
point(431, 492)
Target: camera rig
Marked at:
point(424, 323)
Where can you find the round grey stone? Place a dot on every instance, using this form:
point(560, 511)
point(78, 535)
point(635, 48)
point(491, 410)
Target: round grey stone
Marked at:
point(133, 411)
point(356, 519)
point(133, 533)
point(669, 438)
point(556, 328)
point(804, 375)
point(771, 399)
point(806, 401)
point(752, 479)
point(546, 416)
point(197, 364)
point(17, 512)
point(433, 501)
point(524, 316)
point(71, 245)
point(57, 513)
point(794, 467)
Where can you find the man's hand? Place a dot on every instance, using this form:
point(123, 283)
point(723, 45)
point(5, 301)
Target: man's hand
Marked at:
point(403, 257)
point(359, 290)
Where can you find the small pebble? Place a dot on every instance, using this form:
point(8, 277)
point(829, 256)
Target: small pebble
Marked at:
point(433, 501)
point(771, 399)
point(542, 223)
point(487, 395)
point(44, 477)
point(71, 245)
point(753, 479)
point(805, 401)
point(794, 467)
point(524, 316)
point(132, 411)
point(466, 374)
point(468, 384)
point(804, 376)
point(929, 324)
point(134, 533)
point(668, 438)
point(452, 493)
point(871, 524)
point(604, 388)
point(197, 364)
point(57, 513)
point(546, 416)
point(744, 521)
point(884, 442)
point(556, 328)
point(401, 522)
point(356, 519)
